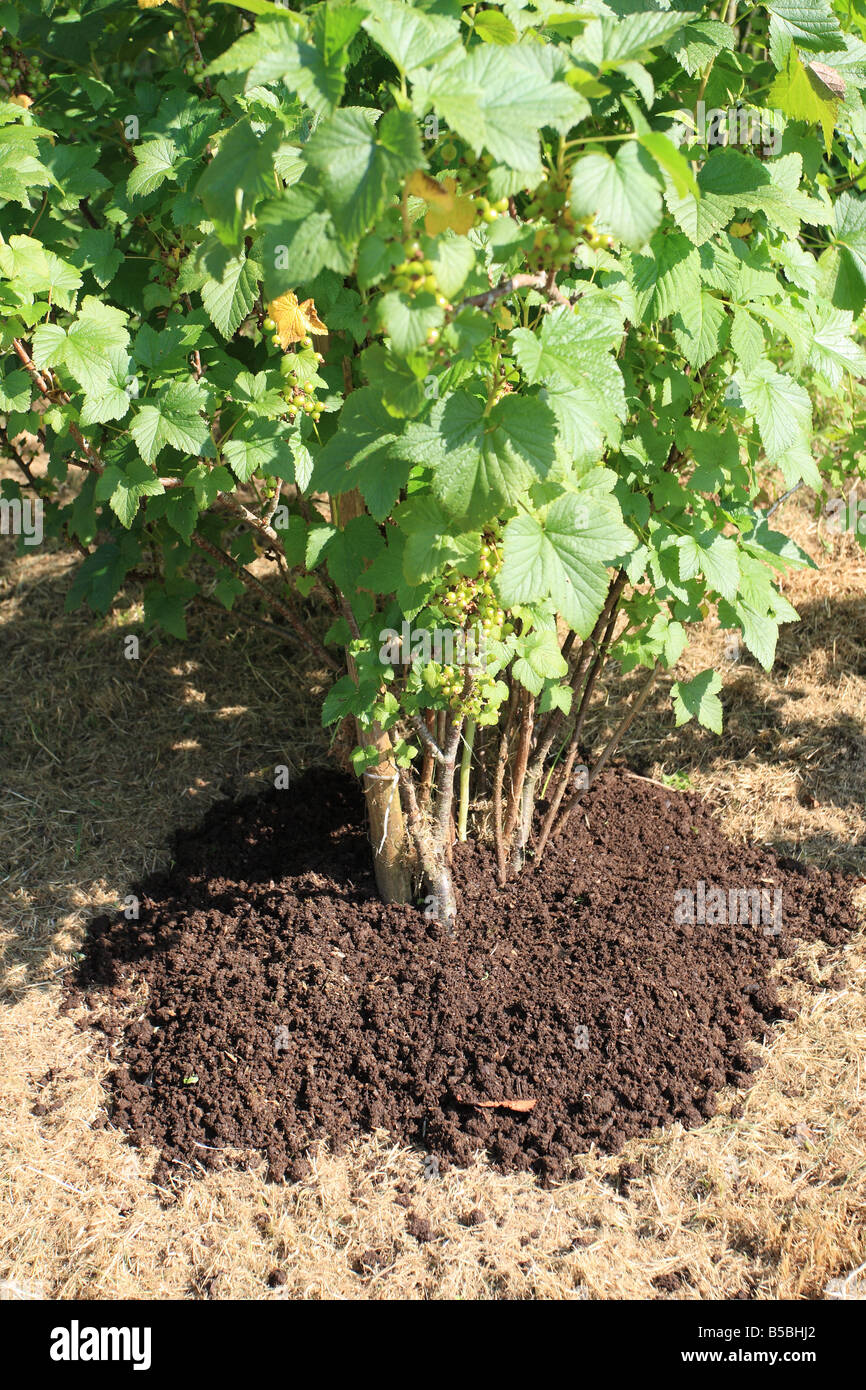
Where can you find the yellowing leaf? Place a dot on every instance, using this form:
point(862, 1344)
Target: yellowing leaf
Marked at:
point(804, 94)
point(425, 186)
point(447, 207)
point(22, 100)
point(294, 321)
point(742, 229)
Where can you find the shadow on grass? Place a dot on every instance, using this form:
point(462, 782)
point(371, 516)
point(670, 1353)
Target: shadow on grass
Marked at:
point(101, 757)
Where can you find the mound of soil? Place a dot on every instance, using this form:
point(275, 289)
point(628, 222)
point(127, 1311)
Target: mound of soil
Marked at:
point(285, 1003)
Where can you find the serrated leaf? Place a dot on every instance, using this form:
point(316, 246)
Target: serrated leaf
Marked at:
point(809, 24)
point(364, 453)
point(240, 175)
point(622, 194)
point(698, 699)
point(781, 408)
point(125, 488)
point(484, 462)
point(715, 556)
point(669, 158)
point(85, 346)
point(747, 339)
point(155, 161)
point(667, 277)
point(562, 555)
point(802, 96)
point(834, 350)
point(411, 38)
point(700, 328)
point(360, 165)
point(230, 299)
point(173, 419)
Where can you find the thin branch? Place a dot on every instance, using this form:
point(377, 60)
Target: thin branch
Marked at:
point(518, 775)
point(524, 281)
point(426, 737)
point(613, 743)
point(270, 599)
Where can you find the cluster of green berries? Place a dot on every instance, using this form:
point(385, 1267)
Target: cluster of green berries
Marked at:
point(299, 396)
point(467, 602)
point(552, 248)
point(471, 605)
point(453, 683)
point(416, 275)
point(166, 272)
point(21, 75)
point(487, 211)
point(596, 240)
point(550, 201)
point(201, 23)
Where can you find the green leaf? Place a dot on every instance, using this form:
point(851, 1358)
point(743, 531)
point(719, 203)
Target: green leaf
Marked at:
point(622, 193)
point(716, 556)
point(110, 399)
point(431, 540)
point(809, 24)
point(125, 488)
point(360, 165)
point(254, 447)
point(300, 240)
point(803, 97)
point(780, 406)
point(365, 454)
point(494, 27)
point(666, 154)
point(85, 347)
point(155, 161)
point(239, 175)
point(484, 462)
point(747, 339)
point(701, 329)
point(849, 287)
point(539, 660)
point(453, 257)
point(499, 99)
point(97, 253)
point(698, 699)
point(409, 322)
point(667, 278)
point(834, 350)
point(34, 270)
point(230, 299)
point(15, 392)
point(562, 555)
point(613, 40)
point(411, 38)
point(571, 343)
point(173, 419)
point(274, 51)
point(698, 44)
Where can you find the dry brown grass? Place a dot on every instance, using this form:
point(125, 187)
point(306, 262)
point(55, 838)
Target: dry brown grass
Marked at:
point(102, 756)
